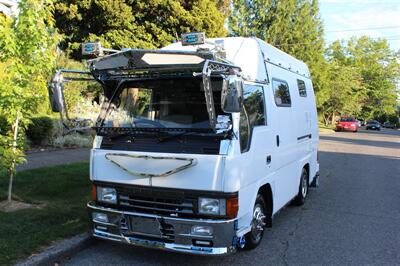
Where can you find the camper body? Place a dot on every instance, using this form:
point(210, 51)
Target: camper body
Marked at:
point(178, 180)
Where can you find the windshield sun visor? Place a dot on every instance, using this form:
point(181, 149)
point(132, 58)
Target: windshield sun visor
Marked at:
point(137, 59)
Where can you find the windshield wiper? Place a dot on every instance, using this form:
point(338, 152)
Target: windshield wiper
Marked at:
point(171, 136)
point(116, 132)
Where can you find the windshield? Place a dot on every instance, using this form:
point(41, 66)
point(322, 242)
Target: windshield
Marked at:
point(168, 103)
point(347, 119)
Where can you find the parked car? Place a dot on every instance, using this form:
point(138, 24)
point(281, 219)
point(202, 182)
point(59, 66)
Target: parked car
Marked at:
point(347, 124)
point(361, 122)
point(373, 124)
point(387, 124)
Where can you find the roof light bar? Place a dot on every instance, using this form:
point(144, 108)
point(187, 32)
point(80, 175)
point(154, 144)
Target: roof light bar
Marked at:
point(92, 48)
point(193, 38)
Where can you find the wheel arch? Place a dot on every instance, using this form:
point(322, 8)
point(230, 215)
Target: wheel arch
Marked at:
point(266, 192)
point(307, 167)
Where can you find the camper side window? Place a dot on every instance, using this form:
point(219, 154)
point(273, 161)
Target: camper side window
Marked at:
point(281, 93)
point(252, 115)
point(302, 88)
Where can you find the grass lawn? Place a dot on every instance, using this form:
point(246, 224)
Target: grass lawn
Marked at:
point(63, 189)
point(325, 129)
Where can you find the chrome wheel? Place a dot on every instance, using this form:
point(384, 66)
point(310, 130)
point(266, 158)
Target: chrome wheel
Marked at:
point(258, 223)
point(304, 186)
point(303, 189)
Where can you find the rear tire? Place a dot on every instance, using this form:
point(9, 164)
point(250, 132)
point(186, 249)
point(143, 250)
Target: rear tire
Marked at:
point(303, 189)
point(254, 237)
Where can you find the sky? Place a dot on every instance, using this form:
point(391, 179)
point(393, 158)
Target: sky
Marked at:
point(343, 19)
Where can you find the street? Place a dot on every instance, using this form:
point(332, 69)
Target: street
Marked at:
point(353, 218)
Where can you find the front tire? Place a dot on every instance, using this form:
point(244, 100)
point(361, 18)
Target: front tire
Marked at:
point(303, 189)
point(254, 237)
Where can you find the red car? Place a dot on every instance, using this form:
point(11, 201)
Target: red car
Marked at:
point(347, 124)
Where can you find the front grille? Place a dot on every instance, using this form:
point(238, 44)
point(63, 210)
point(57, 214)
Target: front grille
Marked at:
point(162, 201)
point(157, 204)
point(167, 231)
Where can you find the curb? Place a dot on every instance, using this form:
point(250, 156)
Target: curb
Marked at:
point(58, 251)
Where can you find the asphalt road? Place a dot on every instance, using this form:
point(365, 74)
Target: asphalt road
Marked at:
point(353, 218)
point(47, 158)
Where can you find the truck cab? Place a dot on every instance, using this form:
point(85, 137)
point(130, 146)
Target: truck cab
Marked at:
point(199, 144)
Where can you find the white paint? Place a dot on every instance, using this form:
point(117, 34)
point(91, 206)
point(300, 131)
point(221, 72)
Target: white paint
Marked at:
point(233, 171)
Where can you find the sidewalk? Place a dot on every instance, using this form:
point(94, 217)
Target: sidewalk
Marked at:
point(56, 157)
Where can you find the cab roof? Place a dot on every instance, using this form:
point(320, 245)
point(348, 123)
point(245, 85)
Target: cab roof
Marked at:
point(250, 54)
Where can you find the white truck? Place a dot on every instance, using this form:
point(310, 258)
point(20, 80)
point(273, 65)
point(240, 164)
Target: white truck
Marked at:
point(199, 144)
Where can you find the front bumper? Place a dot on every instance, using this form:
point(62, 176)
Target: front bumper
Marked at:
point(174, 233)
point(346, 128)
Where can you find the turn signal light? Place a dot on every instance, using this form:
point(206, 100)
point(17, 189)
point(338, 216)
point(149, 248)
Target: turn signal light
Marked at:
point(94, 192)
point(232, 207)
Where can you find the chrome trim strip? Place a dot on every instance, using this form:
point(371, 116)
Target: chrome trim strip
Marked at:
point(191, 162)
point(165, 246)
point(91, 205)
point(104, 223)
point(197, 236)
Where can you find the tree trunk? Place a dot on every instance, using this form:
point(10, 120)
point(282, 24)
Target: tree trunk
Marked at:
point(326, 119)
point(11, 168)
point(333, 118)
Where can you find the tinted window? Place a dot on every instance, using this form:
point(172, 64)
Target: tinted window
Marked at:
point(252, 114)
point(244, 129)
point(302, 88)
point(347, 119)
point(167, 103)
point(253, 100)
point(281, 93)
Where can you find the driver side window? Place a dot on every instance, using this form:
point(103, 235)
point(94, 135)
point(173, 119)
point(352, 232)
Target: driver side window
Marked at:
point(252, 114)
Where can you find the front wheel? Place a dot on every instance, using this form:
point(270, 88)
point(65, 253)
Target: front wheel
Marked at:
point(254, 237)
point(303, 189)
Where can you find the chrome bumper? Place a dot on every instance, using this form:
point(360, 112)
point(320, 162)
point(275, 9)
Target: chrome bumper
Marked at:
point(223, 241)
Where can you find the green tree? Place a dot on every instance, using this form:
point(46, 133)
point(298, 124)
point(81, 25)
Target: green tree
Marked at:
point(27, 58)
point(371, 72)
point(137, 24)
point(293, 26)
point(380, 71)
point(342, 94)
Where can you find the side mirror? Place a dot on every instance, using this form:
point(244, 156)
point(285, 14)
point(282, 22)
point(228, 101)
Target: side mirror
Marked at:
point(232, 94)
point(56, 95)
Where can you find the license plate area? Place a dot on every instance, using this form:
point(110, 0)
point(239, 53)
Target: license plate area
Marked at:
point(145, 226)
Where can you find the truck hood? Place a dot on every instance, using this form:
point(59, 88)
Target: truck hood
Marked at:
point(182, 171)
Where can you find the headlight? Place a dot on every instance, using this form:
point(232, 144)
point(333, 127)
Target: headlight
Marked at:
point(107, 195)
point(212, 206)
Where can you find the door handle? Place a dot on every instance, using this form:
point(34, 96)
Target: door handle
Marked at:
point(269, 159)
point(277, 140)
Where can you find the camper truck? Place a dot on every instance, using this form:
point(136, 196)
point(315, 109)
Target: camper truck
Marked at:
point(198, 144)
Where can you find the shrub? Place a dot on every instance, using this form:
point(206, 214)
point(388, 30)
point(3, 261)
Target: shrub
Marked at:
point(3, 125)
point(40, 130)
point(73, 140)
